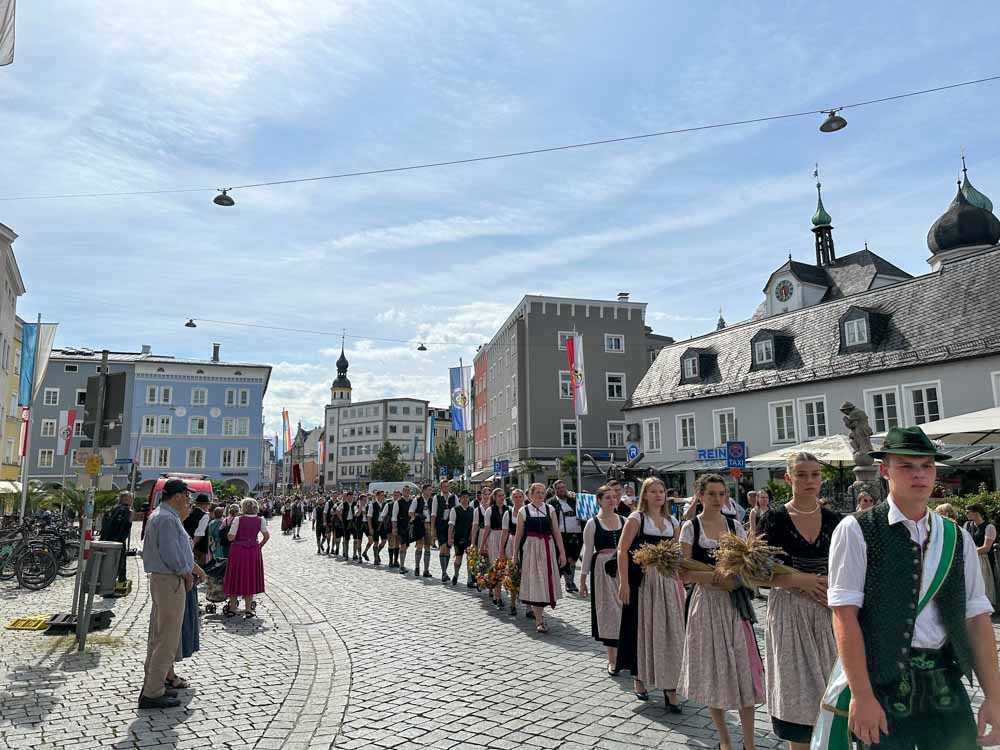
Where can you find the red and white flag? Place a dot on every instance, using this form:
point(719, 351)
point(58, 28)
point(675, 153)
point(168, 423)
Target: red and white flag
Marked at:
point(67, 419)
point(577, 381)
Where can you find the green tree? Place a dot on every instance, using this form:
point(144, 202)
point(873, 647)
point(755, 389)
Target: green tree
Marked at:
point(531, 467)
point(448, 455)
point(226, 491)
point(388, 465)
point(567, 469)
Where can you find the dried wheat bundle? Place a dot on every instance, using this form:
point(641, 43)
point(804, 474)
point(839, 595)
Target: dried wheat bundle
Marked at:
point(751, 559)
point(666, 558)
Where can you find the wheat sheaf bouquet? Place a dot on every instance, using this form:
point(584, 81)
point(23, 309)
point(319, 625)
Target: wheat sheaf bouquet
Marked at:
point(752, 560)
point(666, 558)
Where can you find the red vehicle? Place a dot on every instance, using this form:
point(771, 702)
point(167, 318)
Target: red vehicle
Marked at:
point(198, 483)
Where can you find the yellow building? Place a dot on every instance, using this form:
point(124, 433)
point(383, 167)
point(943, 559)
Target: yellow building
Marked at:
point(10, 462)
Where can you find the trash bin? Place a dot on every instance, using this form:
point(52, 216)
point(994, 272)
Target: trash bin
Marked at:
point(107, 576)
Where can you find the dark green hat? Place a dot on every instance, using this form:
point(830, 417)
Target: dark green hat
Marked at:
point(908, 441)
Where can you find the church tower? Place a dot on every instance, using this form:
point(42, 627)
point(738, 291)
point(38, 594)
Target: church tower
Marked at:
point(340, 391)
point(822, 228)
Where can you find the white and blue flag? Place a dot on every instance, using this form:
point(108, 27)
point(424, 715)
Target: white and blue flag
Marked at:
point(460, 377)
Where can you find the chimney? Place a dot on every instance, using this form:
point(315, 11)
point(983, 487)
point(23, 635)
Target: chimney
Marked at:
point(623, 296)
point(215, 352)
point(147, 349)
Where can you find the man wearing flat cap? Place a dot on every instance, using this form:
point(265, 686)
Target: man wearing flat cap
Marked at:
point(911, 618)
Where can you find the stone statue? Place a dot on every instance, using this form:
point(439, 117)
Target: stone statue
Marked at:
point(859, 432)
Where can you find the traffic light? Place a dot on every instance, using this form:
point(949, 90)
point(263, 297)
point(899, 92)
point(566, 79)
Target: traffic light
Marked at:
point(114, 408)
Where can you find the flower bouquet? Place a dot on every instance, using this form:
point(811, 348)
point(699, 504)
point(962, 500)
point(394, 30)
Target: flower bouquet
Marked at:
point(489, 576)
point(511, 577)
point(751, 559)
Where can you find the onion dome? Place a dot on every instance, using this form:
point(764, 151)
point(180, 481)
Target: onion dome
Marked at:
point(972, 195)
point(342, 364)
point(821, 218)
point(963, 225)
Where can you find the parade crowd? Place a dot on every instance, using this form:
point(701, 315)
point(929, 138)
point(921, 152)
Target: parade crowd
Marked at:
point(873, 619)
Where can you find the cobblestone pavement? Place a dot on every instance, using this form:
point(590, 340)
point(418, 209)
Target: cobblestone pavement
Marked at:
point(341, 656)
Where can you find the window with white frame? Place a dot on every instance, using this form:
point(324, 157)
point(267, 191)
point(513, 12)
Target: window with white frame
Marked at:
point(51, 397)
point(924, 402)
point(230, 397)
point(782, 415)
point(45, 458)
point(813, 414)
point(244, 397)
point(81, 396)
point(690, 367)
point(78, 428)
point(513, 435)
point(152, 394)
point(994, 380)
point(70, 368)
point(227, 458)
point(166, 394)
point(686, 437)
point(883, 408)
point(614, 343)
point(146, 458)
point(567, 431)
point(241, 458)
point(563, 337)
point(196, 458)
point(651, 435)
point(8, 456)
point(149, 424)
point(162, 458)
point(48, 428)
point(199, 396)
point(764, 351)
point(229, 427)
point(855, 331)
point(616, 434)
point(243, 426)
point(164, 425)
point(615, 382)
point(565, 385)
point(725, 425)
point(197, 426)
point(74, 459)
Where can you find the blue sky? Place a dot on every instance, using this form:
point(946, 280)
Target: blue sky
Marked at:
point(119, 95)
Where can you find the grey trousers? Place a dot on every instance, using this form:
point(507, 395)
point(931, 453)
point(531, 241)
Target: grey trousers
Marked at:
point(168, 594)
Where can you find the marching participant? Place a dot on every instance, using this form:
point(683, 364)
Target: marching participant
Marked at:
point(721, 666)
point(510, 532)
point(799, 647)
point(373, 518)
point(460, 532)
point(360, 524)
point(600, 546)
point(491, 536)
point(538, 539)
point(419, 530)
point(479, 519)
point(911, 617)
point(401, 524)
point(441, 505)
point(389, 527)
point(346, 523)
point(319, 525)
point(564, 503)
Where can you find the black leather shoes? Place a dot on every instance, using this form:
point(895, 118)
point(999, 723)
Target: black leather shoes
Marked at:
point(164, 701)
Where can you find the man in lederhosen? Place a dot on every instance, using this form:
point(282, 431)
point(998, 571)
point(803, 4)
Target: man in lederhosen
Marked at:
point(420, 530)
point(319, 525)
point(564, 504)
point(441, 505)
point(460, 532)
point(401, 525)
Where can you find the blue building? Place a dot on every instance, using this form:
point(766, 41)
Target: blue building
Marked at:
point(191, 416)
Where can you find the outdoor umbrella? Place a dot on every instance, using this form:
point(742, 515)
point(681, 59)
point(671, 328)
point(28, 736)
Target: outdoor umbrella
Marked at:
point(973, 428)
point(834, 450)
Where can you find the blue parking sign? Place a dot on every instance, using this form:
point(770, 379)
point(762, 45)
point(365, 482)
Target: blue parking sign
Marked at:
point(736, 454)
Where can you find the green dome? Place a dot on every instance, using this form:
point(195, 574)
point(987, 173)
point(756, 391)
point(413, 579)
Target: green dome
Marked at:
point(974, 196)
point(821, 218)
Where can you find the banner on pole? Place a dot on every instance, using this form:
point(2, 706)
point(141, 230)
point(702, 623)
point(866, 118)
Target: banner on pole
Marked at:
point(36, 347)
point(460, 402)
point(577, 379)
point(67, 419)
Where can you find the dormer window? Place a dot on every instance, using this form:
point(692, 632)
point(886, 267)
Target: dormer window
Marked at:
point(763, 351)
point(856, 332)
point(690, 367)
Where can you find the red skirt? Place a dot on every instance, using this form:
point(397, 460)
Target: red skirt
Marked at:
point(245, 570)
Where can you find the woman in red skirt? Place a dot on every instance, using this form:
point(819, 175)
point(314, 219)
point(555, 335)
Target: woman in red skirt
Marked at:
point(245, 571)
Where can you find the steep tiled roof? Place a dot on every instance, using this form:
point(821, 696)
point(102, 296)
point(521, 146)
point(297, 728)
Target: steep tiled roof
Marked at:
point(931, 318)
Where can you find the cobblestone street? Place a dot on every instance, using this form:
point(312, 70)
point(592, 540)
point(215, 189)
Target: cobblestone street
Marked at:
point(341, 656)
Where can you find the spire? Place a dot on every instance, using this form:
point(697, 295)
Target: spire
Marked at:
point(821, 218)
point(722, 321)
point(341, 388)
point(822, 228)
point(971, 194)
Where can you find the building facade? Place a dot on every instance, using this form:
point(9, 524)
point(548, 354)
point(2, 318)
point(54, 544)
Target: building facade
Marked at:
point(355, 431)
point(523, 401)
point(905, 350)
point(10, 357)
point(180, 416)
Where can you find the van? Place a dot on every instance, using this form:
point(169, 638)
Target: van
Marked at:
point(390, 487)
point(199, 484)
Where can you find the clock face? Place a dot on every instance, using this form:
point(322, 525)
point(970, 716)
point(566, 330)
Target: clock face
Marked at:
point(783, 292)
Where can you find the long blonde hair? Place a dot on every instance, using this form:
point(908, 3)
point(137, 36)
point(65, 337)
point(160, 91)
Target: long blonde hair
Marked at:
point(646, 484)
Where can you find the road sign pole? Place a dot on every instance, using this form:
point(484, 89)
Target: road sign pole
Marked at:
point(87, 517)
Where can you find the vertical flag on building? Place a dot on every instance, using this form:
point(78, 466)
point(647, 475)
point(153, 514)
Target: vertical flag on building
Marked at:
point(36, 346)
point(460, 377)
point(6, 32)
point(67, 418)
point(430, 433)
point(577, 380)
point(286, 431)
point(321, 451)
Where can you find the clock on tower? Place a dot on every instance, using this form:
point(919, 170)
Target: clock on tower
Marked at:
point(783, 291)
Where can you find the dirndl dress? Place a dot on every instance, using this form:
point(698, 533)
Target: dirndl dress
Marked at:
point(721, 665)
point(494, 533)
point(539, 560)
point(599, 546)
point(245, 571)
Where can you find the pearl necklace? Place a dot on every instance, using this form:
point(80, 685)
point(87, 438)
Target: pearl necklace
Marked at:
point(804, 512)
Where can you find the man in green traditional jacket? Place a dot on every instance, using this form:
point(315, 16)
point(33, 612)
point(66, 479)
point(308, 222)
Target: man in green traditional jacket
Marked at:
point(911, 618)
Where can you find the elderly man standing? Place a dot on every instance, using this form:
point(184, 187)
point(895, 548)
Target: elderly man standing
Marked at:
point(169, 561)
point(117, 527)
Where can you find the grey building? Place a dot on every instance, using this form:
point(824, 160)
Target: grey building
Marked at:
point(524, 405)
point(355, 431)
point(856, 329)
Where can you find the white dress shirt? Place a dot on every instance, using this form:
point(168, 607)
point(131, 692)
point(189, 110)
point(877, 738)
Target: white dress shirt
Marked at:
point(849, 563)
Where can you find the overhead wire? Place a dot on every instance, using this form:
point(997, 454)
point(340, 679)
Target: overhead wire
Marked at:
point(344, 334)
point(514, 154)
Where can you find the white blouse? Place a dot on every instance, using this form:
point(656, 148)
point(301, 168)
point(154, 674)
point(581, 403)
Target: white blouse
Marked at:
point(235, 525)
point(706, 542)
